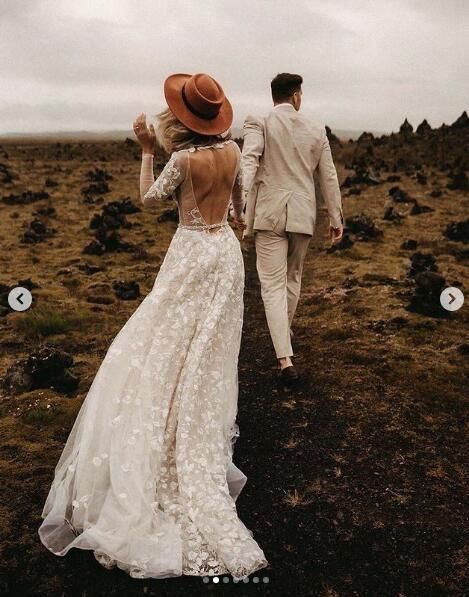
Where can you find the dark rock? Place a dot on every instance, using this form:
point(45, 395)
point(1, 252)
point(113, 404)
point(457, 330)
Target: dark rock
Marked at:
point(365, 137)
point(422, 262)
point(169, 215)
point(426, 299)
point(44, 368)
point(393, 178)
point(399, 195)
point(463, 349)
point(47, 211)
point(391, 214)
point(126, 290)
point(98, 175)
point(354, 191)
point(417, 209)
point(406, 128)
point(458, 181)
point(362, 227)
point(409, 244)
point(28, 283)
point(50, 183)
point(423, 128)
point(362, 175)
point(458, 231)
point(37, 232)
point(6, 175)
point(461, 122)
point(333, 139)
point(436, 193)
point(94, 248)
point(25, 198)
point(421, 178)
point(89, 268)
point(385, 325)
point(345, 243)
point(98, 188)
point(125, 206)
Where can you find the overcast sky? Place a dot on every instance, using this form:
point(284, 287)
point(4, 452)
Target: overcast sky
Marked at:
point(367, 64)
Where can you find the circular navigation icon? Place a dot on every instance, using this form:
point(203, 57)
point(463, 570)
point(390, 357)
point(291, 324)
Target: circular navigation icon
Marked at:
point(451, 299)
point(20, 298)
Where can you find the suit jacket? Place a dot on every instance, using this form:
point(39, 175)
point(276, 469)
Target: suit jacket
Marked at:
point(281, 152)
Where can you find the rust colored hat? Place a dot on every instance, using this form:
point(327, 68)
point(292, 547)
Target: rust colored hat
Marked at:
point(199, 102)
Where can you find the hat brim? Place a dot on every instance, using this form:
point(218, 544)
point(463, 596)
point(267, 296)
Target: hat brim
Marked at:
point(205, 126)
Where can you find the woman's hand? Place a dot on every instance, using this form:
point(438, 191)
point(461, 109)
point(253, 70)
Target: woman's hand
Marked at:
point(146, 137)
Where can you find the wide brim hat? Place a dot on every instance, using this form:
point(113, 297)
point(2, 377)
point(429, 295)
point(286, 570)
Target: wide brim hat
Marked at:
point(199, 102)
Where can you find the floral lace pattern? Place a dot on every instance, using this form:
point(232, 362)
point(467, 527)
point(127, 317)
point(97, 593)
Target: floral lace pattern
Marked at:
point(167, 181)
point(146, 479)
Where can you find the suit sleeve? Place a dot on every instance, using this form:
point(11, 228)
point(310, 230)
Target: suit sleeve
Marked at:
point(329, 184)
point(253, 148)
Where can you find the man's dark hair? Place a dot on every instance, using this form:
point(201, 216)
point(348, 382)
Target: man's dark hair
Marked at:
point(284, 86)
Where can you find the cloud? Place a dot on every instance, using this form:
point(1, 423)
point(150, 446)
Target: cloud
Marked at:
point(366, 64)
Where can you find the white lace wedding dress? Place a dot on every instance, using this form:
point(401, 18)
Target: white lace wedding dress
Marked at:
point(146, 478)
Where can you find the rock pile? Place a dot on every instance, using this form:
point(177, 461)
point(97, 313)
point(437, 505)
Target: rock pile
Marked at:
point(47, 367)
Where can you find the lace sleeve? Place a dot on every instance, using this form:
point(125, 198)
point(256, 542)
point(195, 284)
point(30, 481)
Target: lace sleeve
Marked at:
point(164, 186)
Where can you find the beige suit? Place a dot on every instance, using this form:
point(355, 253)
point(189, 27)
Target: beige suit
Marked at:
point(281, 152)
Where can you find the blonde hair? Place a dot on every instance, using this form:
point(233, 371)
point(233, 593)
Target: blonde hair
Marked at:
point(172, 135)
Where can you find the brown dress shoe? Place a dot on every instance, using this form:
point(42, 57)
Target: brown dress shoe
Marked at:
point(289, 375)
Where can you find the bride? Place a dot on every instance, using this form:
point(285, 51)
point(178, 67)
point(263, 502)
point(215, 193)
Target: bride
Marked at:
point(146, 478)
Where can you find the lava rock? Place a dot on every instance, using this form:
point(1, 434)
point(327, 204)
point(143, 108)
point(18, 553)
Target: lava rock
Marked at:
point(391, 214)
point(461, 122)
point(399, 195)
point(421, 178)
point(464, 349)
point(423, 128)
point(417, 209)
point(458, 181)
point(126, 291)
point(96, 188)
point(363, 227)
point(169, 215)
point(47, 367)
point(37, 232)
point(458, 231)
point(362, 175)
point(426, 299)
point(125, 206)
point(406, 129)
point(25, 198)
point(94, 248)
point(28, 283)
point(89, 269)
point(422, 262)
point(6, 175)
point(98, 175)
point(409, 245)
point(47, 211)
point(345, 243)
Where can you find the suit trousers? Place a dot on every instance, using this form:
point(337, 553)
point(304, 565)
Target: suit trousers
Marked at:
point(279, 261)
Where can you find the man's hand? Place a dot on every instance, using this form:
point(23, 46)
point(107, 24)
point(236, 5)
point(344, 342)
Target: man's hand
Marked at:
point(335, 235)
point(146, 137)
point(240, 223)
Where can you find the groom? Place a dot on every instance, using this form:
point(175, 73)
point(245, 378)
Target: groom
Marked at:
point(280, 154)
